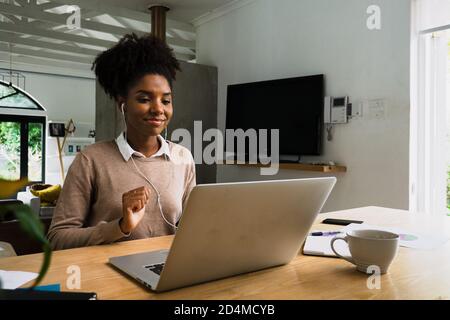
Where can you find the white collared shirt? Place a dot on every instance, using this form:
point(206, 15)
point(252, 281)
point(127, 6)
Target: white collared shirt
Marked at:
point(127, 151)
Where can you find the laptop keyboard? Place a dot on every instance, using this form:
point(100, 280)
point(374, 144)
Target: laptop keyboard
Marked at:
point(156, 268)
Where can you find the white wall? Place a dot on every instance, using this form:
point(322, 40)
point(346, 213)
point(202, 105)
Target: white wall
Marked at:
point(432, 13)
point(63, 97)
point(269, 39)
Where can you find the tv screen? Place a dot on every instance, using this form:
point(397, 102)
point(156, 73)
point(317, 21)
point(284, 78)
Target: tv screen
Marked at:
point(293, 105)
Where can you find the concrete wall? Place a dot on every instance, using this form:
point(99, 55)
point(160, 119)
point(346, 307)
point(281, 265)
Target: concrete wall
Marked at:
point(194, 99)
point(270, 39)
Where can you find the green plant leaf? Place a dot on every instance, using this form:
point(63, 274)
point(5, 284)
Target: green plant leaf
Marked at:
point(33, 227)
point(31, 224)
point(45, 264)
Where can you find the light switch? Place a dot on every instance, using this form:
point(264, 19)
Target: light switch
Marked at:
point(377, 109)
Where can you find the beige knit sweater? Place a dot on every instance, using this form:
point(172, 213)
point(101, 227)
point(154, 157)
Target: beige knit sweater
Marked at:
point(90, 204)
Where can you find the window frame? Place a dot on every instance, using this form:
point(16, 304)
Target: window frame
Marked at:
point(24, 121)
point(18, 90)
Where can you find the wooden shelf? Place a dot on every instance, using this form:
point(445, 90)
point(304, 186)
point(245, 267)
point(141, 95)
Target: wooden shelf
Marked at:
point(302, 167)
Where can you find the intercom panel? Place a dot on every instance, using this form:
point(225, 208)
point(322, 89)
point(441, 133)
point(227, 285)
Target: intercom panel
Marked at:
point(335, 109)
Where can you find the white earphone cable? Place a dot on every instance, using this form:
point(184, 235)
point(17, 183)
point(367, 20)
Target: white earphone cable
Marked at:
point(158, 195)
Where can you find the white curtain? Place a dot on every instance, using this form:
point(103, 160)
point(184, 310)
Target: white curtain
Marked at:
point(428, 166)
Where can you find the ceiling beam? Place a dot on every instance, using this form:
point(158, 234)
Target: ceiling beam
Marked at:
point(36, 64)
point(100, 6)
point(48, 6)
point(45, 55)
point(31, 3)
point(184, 57)
point(67, 51)
point(172, 40)
point(66, 68)
point(11, 38)
point(126, 23)
point(11, 17)
point(61, 19)
point(25, 29)
point(177, 42)
point(86, 14)
point(89, 14)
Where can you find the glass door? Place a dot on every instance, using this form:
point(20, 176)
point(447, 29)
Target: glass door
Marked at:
point(10, 138)
point(35, 151)
point(22, 147)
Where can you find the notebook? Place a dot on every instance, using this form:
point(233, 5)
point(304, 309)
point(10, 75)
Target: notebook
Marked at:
point(321, 246)
point(6, 294)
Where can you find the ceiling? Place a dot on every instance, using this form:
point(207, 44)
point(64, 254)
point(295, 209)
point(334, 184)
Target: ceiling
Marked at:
point(180, 10)
point(36, 32)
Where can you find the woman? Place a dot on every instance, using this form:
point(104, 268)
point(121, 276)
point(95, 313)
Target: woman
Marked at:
point(135, 186)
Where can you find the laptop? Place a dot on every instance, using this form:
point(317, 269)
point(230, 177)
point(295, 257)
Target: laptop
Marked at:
point(232, 228)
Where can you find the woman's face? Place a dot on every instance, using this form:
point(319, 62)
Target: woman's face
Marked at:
point(148, 106)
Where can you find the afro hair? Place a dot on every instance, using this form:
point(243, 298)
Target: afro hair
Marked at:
point(120, 67)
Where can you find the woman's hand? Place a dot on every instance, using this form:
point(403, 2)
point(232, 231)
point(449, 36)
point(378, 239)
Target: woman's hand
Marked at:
point(133, 208)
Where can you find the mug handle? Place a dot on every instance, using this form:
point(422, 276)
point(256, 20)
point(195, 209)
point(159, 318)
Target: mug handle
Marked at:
point(348, 258)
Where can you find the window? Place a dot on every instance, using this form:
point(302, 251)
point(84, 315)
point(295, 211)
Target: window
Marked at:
point(13, 97)
point(22, 147)
point(22, 137)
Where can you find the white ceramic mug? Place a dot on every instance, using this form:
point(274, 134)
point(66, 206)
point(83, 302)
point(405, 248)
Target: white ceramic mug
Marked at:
point(369, 248)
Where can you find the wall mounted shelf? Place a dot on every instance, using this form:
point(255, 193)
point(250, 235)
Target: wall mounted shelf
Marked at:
point(302, 167)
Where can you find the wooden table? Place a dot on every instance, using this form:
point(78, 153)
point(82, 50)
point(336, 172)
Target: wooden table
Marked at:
point(414, 274)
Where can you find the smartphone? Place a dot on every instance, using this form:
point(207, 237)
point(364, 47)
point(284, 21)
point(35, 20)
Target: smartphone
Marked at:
point(341, 222)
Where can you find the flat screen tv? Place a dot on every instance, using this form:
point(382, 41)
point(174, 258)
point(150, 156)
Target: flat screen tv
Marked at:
point(293, 105)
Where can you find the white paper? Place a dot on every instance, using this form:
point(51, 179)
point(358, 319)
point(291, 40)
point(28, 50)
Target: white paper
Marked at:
point(14, 279)
point(321, 246)
point(408, 239)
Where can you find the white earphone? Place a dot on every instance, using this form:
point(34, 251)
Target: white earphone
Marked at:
point(158, 195)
